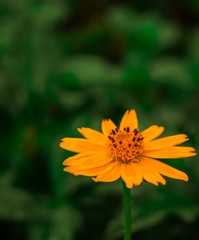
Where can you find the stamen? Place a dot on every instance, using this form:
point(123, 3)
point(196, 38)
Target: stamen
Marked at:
point(135, 131)
point(111, 138)
point(125, 145)
point(113, 132)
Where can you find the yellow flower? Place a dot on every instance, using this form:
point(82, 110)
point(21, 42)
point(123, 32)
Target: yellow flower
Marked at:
point(125, 152)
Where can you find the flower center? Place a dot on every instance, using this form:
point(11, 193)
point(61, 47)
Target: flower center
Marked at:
point(125, 145)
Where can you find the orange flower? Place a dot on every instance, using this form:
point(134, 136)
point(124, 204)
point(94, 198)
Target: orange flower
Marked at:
point(125, 152)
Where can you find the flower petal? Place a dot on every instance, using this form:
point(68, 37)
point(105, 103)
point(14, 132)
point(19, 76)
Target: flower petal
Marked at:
point(126, 177)
point(109, 176)
point(95, 160)
point(77, 157)
point(166, 142)
point(80, 145)
point(172, 152)
point(147, 174)
point(152, 172)
point(94, 135)
point(151, 133)
point(165, 169)
point(90, 172)
point(108, 126)
point(133, 171)
point(129, 120)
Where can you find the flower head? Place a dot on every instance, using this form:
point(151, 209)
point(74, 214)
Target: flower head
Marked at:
point(125, 152)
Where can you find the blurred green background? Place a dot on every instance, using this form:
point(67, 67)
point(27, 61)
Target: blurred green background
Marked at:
point(68, 64)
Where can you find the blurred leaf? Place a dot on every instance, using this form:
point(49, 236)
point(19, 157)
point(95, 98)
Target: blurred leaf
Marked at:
point(136, 76)
point(146, 32)
point(92, 70)
point(168, 69)
point(66, 222)
point(194, 72)
point(193, 48)
point(17, 204)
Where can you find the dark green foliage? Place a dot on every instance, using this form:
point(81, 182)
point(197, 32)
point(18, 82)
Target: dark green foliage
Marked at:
point(68, 64)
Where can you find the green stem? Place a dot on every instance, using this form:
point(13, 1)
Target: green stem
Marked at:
point(127, 211)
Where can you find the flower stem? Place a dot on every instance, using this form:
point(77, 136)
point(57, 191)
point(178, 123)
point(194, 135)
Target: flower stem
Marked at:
point(127, 211)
